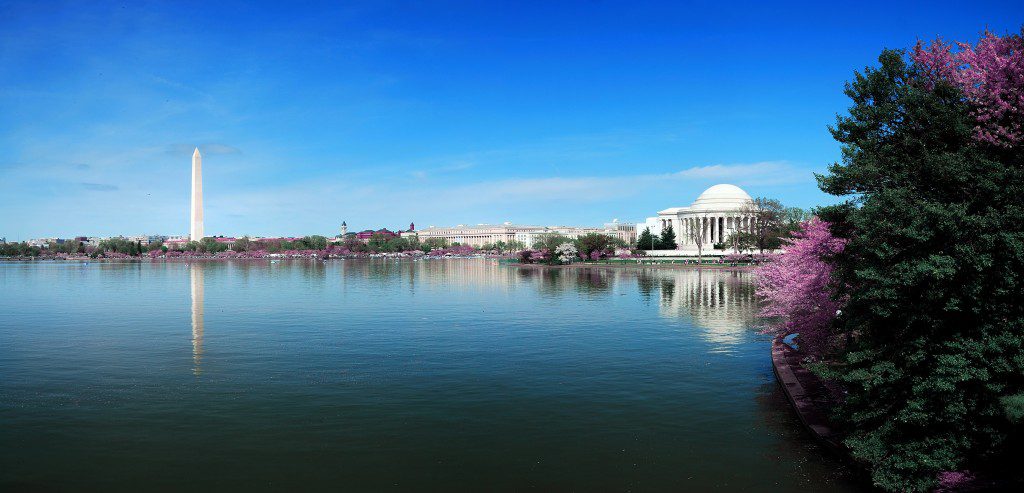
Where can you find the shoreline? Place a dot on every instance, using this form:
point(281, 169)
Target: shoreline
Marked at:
point(224, 259)
point(577, 265)
point(623, 265)
point(806, 395)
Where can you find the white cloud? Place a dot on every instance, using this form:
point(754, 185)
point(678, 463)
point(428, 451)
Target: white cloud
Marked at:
point(315, 205)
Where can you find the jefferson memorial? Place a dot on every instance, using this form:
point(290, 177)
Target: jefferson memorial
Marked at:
point(717, 213)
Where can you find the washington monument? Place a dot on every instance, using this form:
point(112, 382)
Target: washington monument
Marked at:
point(195, 231)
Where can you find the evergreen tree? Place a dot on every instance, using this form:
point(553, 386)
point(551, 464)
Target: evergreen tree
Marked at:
point(668, 239)
point(646, 241)
point(932, 271)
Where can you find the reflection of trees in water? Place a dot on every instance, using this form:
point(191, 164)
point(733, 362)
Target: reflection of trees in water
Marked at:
point(645, 283)
point(555, 281)
point(593, 281)
point(313, 269)
point(668, 290)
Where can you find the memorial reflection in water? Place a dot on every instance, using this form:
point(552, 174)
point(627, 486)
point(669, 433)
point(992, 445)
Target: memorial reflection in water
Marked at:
point(721, 303)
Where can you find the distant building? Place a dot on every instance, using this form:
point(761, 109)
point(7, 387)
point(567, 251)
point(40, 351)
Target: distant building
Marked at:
point(146, 240)
point(344, 229)
point(623, 231)
point(482, 234)
point(716, 214)
point(367, 234)
point(41, 242)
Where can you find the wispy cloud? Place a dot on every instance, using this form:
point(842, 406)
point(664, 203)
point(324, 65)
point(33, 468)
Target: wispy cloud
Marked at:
point(592, 188)
point(449, 168)
point(99, 187)
point(579, 199)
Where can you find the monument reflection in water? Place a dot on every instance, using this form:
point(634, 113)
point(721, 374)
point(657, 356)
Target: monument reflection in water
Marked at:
point(196, 276)
point(383, 375)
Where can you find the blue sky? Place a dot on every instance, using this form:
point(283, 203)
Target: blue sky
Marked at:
point(382, 113)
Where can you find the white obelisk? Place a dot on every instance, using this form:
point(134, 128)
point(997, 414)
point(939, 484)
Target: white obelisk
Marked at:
point(195, 232)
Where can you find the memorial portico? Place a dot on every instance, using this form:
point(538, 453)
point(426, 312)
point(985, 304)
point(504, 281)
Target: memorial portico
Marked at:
point(717, 213)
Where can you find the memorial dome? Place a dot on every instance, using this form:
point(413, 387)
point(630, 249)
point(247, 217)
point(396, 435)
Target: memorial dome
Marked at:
point(722, 197)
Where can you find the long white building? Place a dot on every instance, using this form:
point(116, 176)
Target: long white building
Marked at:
point(716, 214)
point(482, 234)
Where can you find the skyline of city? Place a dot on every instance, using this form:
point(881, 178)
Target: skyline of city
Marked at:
point(388, 113)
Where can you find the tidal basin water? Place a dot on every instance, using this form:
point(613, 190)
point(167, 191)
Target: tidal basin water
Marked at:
point(383, 375)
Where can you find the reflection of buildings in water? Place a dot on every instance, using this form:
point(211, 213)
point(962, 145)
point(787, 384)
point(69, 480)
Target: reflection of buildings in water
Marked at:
point(476, 274)
point(721, 302)
point(196, 274)
point(462, 273)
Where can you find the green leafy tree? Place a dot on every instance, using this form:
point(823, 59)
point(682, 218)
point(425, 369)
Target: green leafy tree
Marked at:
point(120, 245)
point(934, 365)
point(378, 243)
point(646, 240)
point(21, 249)
point(668, 238)
point(550, 241)
point(243, 244)
point(211, 245)
point(315, 242)
point(433, 244)
point(592, 242)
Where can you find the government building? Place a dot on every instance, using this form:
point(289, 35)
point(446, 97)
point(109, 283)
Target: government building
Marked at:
point(483, 234)
point(716, 214)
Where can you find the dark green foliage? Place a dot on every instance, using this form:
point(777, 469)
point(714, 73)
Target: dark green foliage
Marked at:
point(383, 243)
point(120, 245)
point(19, 250)
point(315, 242)
point(550, 241)
point(242, 244)
point(646, 241)
point(210, 245)
point(934, 275)
point(1013, 405)
point(592, 242)
point(668, 239)
point(433, 244)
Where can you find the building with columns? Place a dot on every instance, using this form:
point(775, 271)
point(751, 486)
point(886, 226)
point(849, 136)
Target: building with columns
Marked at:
point(716, 214)
point(482, 234)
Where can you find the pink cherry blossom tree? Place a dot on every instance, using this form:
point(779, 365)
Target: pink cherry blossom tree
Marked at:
point(796, 287)
point(991, 76)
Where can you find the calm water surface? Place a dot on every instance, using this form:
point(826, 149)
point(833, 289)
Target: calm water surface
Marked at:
point(444, 375)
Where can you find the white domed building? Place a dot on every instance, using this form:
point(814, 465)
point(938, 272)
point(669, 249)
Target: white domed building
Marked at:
point(716, 214)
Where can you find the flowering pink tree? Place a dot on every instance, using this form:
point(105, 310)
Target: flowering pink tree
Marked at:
point(795, 287)
point(991, 76)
